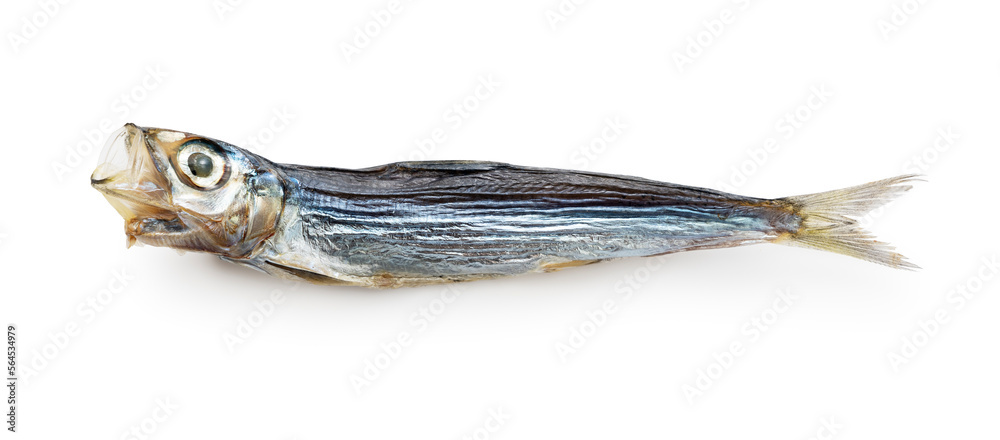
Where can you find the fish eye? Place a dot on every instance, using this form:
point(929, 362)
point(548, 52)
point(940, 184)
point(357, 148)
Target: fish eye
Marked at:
point(202, 164)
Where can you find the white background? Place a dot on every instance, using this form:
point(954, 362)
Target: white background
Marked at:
point(823, 368)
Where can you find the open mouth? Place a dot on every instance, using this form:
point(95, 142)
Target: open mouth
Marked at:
point(127, 175)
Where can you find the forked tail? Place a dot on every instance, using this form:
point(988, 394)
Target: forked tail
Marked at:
point(829, 221)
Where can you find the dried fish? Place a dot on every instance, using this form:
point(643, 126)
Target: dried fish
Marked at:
point(415, 223)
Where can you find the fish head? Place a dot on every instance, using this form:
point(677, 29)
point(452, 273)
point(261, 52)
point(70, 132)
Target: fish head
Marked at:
point(189, 192)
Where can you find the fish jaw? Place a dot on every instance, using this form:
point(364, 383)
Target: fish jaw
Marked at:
point(130, 178)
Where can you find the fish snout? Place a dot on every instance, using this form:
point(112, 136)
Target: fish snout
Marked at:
point(119, 154)
point(128, 177)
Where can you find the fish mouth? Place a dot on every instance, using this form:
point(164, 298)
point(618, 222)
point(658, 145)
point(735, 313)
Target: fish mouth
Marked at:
point(130, 178)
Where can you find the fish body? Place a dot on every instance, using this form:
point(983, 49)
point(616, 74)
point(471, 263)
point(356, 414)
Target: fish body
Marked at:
point(414, 223)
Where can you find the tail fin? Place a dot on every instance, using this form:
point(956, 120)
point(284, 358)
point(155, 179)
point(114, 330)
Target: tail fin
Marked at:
point(828, 223)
